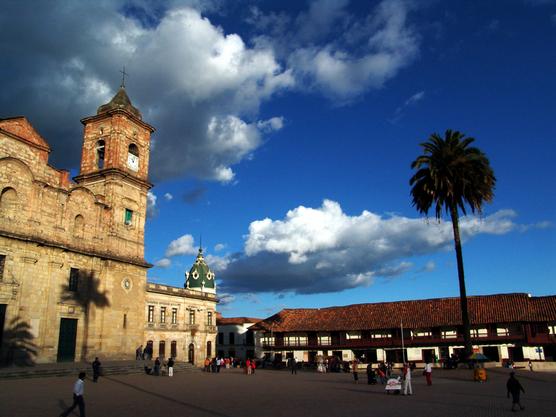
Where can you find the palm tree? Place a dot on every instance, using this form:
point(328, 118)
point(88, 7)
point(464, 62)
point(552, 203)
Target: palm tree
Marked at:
point(452, 175)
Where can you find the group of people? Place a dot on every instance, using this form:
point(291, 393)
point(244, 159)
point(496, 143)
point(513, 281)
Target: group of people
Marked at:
point(144, 354)
point(215, 364)
point(160, 367)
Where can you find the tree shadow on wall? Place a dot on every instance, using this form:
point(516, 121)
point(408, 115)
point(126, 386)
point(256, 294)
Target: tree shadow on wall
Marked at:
point(86, 293)
point(17, 344)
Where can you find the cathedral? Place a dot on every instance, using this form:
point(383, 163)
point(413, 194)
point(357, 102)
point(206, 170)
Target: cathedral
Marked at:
point(73, 277)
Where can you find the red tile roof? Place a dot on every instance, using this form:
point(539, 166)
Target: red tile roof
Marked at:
point(222, 321)
point(500, 308)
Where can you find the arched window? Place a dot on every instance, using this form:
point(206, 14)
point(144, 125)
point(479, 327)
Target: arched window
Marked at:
point(78, 226)
point(8, 202)
point(162, 348)
point(100, 148)
point(174, 349)
point(133, 157)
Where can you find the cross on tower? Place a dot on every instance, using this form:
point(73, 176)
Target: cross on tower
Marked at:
point(123, 76)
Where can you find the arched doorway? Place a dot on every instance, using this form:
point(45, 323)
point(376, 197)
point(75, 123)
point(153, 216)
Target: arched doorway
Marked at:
point(173, 349)
point(209, 349)
point(191, 353)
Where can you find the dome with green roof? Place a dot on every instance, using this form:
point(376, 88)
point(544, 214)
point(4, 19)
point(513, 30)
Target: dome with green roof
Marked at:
point(200, 277)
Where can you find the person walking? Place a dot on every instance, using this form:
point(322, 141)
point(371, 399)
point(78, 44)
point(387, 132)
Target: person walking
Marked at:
point(514, 387)
point(78, 401)
point(96, 369)
point(253, 366)
point(355, 370)
point(530, 365)
point(171, 366)
point(157, 367)
point(139, 353)
point(407, 380)
point(248, 366)
point(428, 372)
point(293, 365)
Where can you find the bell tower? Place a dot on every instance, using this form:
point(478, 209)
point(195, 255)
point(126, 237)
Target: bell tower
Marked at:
point(115, 166)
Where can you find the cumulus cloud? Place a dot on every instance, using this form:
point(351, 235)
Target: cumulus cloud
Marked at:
point(323, 249)
point(217, 263)
point(168, 197)
point(183, 245)
point(198, 85)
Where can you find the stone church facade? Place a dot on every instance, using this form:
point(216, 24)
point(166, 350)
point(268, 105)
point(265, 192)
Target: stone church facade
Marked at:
point(73, 278)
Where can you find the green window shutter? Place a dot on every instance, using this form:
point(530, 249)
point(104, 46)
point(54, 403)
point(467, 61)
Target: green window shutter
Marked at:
point(128, 216)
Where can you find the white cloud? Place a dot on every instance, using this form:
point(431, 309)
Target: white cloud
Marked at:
point(219, 246)
point(203, 99)
point(163, 263)
point(217, 263)
point(183, 245)
point(168, 197)
point(323, 249)
point(385, 43)
point(152, 210)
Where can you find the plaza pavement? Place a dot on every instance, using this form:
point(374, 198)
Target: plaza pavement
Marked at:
point(278, 393)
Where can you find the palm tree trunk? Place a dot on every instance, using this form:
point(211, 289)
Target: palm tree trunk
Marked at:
point(461, 278)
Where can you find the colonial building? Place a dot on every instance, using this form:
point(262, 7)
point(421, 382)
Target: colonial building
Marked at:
point(508, 326)
point(181, 322)
point(236, 339)
point(73, 278)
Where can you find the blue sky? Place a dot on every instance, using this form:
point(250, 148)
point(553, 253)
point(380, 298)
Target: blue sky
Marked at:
point(285, 133)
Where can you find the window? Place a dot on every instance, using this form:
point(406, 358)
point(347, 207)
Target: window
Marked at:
point(479, 332)
point(100, 154)
point(267, 340)
point(421, 333)
point(174, 316)
point(552, 329)
point(191, 316)
point(502, 331)
point(209, 349)
point(73, 279)
point(380, 335)
point(325, 340)
point(2, 265)
point(231, 338)
point(295, 340)
point(449, 334)
point(125, 321)
point(162, 348)
point(220, 338)
point(128, 217)
point(163, 314)
point(209, 318)
point(353, 335)
point(151, 314)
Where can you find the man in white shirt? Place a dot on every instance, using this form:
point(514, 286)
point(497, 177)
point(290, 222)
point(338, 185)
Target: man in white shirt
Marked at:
point(78, 390)
point(428, 373)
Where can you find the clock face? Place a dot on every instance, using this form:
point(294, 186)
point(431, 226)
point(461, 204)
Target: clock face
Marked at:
point(132, 162)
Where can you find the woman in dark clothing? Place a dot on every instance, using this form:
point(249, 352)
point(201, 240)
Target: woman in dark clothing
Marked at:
point(514, 388)
point(96, 369)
